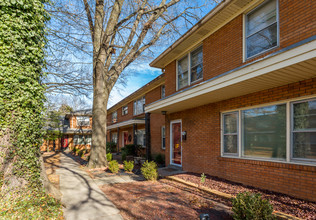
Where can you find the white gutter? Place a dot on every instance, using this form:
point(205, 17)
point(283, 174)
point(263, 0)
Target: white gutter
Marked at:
point(126, 123)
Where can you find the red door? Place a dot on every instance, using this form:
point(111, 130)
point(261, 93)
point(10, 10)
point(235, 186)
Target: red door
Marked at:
point(176, 145)
point(125, 138)
point(64, 141)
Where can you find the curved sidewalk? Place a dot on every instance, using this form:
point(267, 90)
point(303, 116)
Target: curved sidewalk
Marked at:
point(81, 196)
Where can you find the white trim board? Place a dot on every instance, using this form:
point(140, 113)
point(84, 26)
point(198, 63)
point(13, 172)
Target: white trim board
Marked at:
point(126, 123)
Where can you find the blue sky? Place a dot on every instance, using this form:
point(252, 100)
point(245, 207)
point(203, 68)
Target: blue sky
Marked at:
point(139, 76)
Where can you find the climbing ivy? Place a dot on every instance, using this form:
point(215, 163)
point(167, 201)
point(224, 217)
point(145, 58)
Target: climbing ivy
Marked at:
point(22, 42)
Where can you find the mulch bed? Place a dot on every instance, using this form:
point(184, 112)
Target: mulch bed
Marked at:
point(51, 163)
point(281, 202)
point(162, 200)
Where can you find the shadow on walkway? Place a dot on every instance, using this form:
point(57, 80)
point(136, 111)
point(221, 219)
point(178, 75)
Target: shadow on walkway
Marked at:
point(81, 196)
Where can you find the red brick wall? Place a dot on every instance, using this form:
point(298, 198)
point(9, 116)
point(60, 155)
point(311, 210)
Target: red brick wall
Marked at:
point(201, 150)
point(153, 95)
point(223, 50)
point(156, 122)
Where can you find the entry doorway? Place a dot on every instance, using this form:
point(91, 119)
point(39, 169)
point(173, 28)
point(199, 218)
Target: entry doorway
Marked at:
point(176, 143)
point(124, 138)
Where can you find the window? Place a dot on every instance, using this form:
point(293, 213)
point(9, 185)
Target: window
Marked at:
point(163, 92)
point(263, 132)
point(139, 106)
point(114, 117)
point(190, 68)
point(230, 133)
point(83, 121)
point(82, 140)
point(304, 130)
point(114, 137)
point(262, 28)
point(163, 137)
point(141, 137)
point(88, 139)
point(125, 110)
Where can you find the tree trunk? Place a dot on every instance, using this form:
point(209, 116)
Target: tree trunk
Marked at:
point(99, 118)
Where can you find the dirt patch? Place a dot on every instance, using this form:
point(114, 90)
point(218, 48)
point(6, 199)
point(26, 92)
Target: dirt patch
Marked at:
point(284, 203)
point(52, 162)
point(162, 200)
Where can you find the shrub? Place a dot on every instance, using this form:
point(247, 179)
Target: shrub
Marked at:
point(129, 149)
point(109, 157)
point(128, 166)
point(160, 159)
point(110, 147)
point(149, 170)
point(203, 177)
point(123, 155)
point(251, 206)
point(114, 166)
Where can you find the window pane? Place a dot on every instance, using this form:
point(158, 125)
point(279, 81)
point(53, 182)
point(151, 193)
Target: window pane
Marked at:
point(183, 72)
point(197, 57)
point(196, 64)
point(88, 139)
point(230, 123)
point(261, 41)
point(163, 94)
point(304, 145)
point(304, 116)
point(196, 72)
point(230, 144)
point(261, 18)
point(264, 132)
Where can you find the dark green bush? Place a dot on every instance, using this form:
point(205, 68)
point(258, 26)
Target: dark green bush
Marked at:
point(248, 206)
point(123, 155)
point(128, 166)
point(149, 170)
point(160, 159)
point(109, 157)
point(114, 166)
point(129, 149)
point(110, 147)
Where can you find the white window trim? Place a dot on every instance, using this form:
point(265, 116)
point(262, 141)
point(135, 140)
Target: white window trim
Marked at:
point(144, 133)
point(189, 67)
point(126, 110)
point(245, 58)
point(114, 119)
point(77, 121)
point(163, 127)
point(238, 134)
point(289, 143)
point(135, 106)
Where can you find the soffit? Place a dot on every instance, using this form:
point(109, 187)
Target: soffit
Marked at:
point(217, 18)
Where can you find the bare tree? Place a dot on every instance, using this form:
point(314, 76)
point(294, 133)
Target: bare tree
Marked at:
point(121, 31)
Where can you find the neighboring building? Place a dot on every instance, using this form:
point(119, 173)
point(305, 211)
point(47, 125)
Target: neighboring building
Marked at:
point(240, 92)
point(128, 123)
point(74, 130)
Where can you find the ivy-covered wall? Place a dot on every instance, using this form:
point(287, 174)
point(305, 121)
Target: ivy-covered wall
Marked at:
point(22, 42)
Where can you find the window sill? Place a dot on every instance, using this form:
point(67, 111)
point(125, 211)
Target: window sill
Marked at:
point(294, 164)
point(263, 53)
point(192, 84)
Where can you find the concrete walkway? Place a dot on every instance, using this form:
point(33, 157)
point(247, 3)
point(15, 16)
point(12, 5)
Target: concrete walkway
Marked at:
point(81, 195)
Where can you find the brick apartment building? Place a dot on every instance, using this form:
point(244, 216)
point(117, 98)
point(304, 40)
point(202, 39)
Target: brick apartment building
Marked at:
point(127, 122)
point(74, 131)
point(240, 91)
